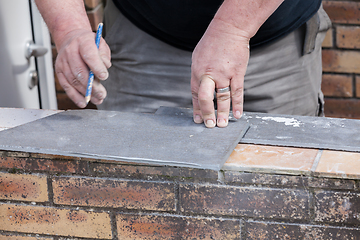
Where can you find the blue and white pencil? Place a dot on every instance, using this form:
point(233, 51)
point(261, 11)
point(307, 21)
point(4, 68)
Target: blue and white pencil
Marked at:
point(91, 74)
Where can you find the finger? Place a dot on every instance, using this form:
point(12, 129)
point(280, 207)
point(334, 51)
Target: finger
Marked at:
point(78, 78)
point(223, 108)
point(98, 93)
point(237, 96)
point(74, 70)
point(91, 56)
point(206, 97)
point(71, 92)
point(195, 100)
point(74, 85)
point(105, 53)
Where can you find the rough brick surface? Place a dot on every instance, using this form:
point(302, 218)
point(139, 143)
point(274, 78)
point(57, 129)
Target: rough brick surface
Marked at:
point(343, 11)
point(54, 221)
point(330, 183)
point(338, 207)
point(53, 165)
point(14, 237)
point(328, 41)
point(345, 108)
point(266, 230)
point(176, 227)
point(336, 85)
point(99, 192)
point(152, 172)
point(287, 181)
point(244, 201)
point(18, 154)
point(341, 61)
point(265, 179)
point(23, 187)
point(348, 36)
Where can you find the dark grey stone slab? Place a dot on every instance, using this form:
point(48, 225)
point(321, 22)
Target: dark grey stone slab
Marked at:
point(294, 131)
point(130, 137)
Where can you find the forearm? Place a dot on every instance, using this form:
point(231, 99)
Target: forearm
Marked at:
point(244, 16)
point(62, 17)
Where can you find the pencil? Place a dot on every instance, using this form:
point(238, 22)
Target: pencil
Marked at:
point(91, 74)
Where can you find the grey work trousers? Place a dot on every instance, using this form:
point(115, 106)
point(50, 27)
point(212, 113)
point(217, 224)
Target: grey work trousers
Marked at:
point(282, 77)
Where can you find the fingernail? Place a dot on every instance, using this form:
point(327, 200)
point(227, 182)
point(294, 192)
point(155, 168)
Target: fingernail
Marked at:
point(100, 96)
point(103, 75)
point(210, 123)
point(197, 119)
point(81, 104)
point(221, 122)
point(237, 114)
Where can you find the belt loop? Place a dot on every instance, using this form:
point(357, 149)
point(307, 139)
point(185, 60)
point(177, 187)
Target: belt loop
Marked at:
point(312, 28)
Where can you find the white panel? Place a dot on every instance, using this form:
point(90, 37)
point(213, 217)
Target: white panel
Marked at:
point(44, 64)
point(15, 31)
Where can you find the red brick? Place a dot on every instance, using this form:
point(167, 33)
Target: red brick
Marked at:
point(267, 230)
point(18, 154)
point(348, 37)
point(358, 86)
point(23, 187)
point(176, 227)
point(335, 85)
point(96, 16)
point(328, 41)
point(34, 164)
point(337, 207)
point(287, 181)
point(343, 11)
point(153, 172)
point(341, 61)
point(244, 201)
point(332, 183)
point(54, 53)
point(99, 192)
point(53, 221)
point(265, 179)
point(342, 108)
point(92, 3)
point(57, 85)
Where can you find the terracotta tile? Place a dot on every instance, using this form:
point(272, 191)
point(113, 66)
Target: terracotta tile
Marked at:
point(340, 164)
point(271, 159)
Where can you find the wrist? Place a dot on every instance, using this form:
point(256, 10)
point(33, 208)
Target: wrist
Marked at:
point(245, 17)
point(63, 17)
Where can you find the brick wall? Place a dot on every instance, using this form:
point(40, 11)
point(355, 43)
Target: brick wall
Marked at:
point(58, 198)
point(341, 58)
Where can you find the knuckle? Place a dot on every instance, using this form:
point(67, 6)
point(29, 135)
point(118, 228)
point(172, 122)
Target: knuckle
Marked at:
point(237, 92)
point(74, 82)
point(205, 97)
point(223, 97)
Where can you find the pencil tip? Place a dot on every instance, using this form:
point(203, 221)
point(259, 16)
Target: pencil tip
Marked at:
point(87, 99)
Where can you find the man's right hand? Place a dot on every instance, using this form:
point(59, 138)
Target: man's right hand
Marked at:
point(77, 52)
point(76, 55)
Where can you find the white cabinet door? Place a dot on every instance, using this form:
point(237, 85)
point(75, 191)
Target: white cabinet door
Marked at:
point(19, 73)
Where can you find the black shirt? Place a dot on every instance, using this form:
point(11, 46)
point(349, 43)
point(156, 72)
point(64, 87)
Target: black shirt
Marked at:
point(181, 23)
